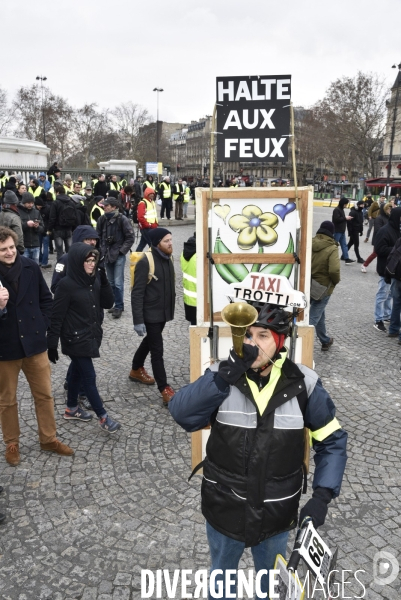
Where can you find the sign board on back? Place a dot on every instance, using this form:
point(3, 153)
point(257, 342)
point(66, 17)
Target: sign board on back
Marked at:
point(151, 168)
point(253, 118)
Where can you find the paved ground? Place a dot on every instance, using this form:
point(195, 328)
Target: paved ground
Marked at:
point(83, 528)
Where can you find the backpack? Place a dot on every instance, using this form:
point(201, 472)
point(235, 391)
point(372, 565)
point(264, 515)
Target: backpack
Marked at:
point(393, 265)
point(67, 216)
point(134, 210)
point(134, 258)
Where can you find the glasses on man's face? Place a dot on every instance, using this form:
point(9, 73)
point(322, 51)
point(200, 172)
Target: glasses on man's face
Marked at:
point(90, 260)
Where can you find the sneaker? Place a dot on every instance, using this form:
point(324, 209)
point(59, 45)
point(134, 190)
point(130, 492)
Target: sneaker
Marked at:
point(141, 375)
point(111, 310)
point(84, 403)
point(387, 320)
point(349, 261)
point(117, 312)
point(167, 394)
point(327, 346)
point(363, 269)
point(78, 415)
point(12, 454)
point(361, 261)
point(366, 240)
point(57, 447)
point(380, 326)
point(109, 425)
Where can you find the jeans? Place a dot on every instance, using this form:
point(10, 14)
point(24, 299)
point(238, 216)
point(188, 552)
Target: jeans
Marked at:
point(185, 209)
point(370, 227)
point(354, 241)
point(395, 292)
point(341, 239)
point(143, 241)
point(32, 253)
point(178, 210)
point(225, 554)
point(317, 318)
point(115, 275)
point(60, 236)
point(44, 249)
point(383, 302)
point(153, 343)
point(82, 374)
point(36, 369)
point(81, 391)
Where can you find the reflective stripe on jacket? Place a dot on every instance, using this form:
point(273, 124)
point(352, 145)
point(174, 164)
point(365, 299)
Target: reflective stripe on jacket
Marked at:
point(166, 189)
point(150, 212)
point(189, 279)
point(187, 194)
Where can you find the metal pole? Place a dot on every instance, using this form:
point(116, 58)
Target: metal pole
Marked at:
point(213, 329)
point(297, 237)
point(392, 134)
point(43, 115)
point(157, 128)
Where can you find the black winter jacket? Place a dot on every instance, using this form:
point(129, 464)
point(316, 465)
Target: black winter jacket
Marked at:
point(339, 220)
point(54, 224)
point(31, 234)
point(253, 470)
point(45, 212)
point(77, 316)
point(23, 327)
point(153, 302)
point(100, 189)
point(119, 229)
point(355, 225)
point(386, 238)
point(380, 221)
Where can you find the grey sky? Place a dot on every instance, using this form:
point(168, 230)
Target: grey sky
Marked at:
point(117, 50)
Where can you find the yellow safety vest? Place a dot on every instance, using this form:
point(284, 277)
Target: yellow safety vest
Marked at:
point(189, 279)
point(68, 190)
point(94, 182)
point(187, 194)
point(234, 185)
point(175, 196)
point(82, 184)
point(151, 185)
point(151, 212)
point(35, 193)
point(3, 181)
point(114, 185)
point(93, 221)
point(51, 191)
point(167, 187)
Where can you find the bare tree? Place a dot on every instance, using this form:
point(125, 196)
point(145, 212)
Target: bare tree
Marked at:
point(6, 113)
point(128, 120)
point(88, 124)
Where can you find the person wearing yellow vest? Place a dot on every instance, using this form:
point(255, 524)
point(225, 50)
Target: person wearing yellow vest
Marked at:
point(234, 182)
point(35, 188)
point(81, 182)
point(113, 184)
point(149, 182)
point(147, 217)
point(178, 197)
point(96, 210)
point(68, 185)
point(165, 195)
point(188, 266)
point(187, 198)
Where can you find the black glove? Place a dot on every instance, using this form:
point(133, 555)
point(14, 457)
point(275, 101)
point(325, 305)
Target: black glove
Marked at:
point(316, 507)
point(103, 276)
point(53, 355)
point(361, 234)
point(231, 370)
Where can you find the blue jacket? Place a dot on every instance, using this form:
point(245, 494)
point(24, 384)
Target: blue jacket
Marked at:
point(253, 469)
point(24, 323)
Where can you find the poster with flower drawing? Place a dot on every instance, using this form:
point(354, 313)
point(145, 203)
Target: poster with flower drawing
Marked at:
point(246, 226)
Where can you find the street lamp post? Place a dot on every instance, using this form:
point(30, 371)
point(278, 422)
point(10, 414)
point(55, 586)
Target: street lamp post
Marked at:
point(42, 79)
point(157, 90)
point(393, 130)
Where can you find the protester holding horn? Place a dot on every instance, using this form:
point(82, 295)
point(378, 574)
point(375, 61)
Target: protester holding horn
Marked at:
point(258, 406)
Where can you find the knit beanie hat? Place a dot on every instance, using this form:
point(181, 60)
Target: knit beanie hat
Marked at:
point(156, 235)
point(10, 198)
point(27, 197)
point(279, 339)
point(327, 228)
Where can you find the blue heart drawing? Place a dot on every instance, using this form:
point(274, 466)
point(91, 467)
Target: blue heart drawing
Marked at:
point(282, 210)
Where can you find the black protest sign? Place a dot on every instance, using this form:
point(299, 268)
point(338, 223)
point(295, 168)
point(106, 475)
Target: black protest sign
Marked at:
point(253, 118)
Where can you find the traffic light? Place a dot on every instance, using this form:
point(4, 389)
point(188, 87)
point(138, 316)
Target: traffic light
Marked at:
point(167, 167)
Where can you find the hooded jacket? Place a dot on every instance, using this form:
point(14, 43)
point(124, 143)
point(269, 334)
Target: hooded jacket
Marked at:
point(55, 212)
point(385, 240)
point(355, 225)
point(339, 219)
point(77, 308)
point(81, 233)
point(325, 260)
point(380, 221)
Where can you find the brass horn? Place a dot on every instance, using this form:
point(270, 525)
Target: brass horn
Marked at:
point(239, 316)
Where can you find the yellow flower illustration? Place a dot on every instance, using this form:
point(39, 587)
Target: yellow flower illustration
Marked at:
point(254, 226)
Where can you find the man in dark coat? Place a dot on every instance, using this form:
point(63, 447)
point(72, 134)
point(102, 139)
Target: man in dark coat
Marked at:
point(355, 228)
point(385, 240)
point(257, 407)
point(62, 220)
point(32, 226)
point(25, 307)
point(101, 187)
point(153, 305)
point(340, 224)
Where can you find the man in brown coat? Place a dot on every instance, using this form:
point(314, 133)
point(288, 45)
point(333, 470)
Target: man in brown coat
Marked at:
point(326, 272)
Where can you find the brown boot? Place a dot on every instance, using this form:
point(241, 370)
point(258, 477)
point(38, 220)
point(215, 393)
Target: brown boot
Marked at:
point(12, 454)
point(141, 375)
point(167, 394)
point(57, 447)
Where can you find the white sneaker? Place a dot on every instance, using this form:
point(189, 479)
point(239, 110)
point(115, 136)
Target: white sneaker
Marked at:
point(363, 269)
